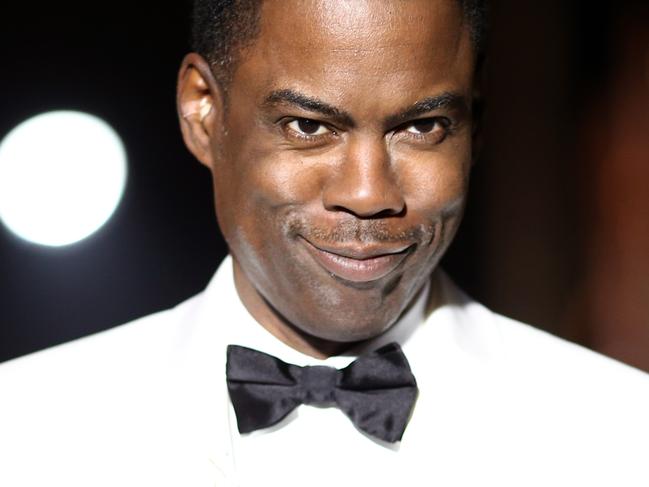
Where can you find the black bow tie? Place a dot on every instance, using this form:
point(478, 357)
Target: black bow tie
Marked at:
point(377, 391)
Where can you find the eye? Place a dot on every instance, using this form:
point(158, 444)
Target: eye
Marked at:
point(426, 126)
point(429, 131)
point(307, 127)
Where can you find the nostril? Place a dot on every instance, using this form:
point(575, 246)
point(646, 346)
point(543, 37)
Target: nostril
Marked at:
point(391, 212)
point(385, 213)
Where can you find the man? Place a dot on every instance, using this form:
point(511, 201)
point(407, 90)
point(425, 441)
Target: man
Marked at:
point(339, 134)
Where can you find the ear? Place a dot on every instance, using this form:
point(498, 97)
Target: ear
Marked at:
point(199, 101)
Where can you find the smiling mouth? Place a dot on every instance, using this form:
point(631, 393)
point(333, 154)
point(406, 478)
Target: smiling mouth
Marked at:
point(359, 265)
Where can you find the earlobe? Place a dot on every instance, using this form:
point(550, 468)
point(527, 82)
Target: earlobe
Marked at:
point(198, 103)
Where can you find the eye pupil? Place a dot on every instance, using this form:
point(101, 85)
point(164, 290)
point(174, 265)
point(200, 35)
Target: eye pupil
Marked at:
point(424, 126)
point(308, 126)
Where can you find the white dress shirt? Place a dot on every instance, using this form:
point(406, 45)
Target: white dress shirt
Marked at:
point(145, 404)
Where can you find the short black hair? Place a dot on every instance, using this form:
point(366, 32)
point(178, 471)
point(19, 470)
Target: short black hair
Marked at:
point(222, 28)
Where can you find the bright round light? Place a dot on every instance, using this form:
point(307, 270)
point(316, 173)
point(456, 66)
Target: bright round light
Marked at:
point(62, 175)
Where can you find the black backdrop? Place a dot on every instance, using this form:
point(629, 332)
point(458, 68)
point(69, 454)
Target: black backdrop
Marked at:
point(119, 62)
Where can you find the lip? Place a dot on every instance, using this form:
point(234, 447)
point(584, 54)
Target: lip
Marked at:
point(358, 264)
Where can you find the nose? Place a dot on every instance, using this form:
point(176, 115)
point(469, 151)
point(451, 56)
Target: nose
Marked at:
point(365, 183)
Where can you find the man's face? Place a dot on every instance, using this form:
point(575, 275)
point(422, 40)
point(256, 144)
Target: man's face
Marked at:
point(343, 162)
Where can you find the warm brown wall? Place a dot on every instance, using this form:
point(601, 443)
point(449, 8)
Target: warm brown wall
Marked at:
point(615, 309)
point(528, 231)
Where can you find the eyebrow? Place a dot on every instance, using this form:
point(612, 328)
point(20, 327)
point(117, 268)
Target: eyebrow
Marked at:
point(448, 100)
point(308, 103)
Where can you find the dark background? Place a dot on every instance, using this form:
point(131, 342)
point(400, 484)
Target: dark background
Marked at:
point(547, 238)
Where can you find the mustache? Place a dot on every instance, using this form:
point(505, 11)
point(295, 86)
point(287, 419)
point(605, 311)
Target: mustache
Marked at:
point(365, 231)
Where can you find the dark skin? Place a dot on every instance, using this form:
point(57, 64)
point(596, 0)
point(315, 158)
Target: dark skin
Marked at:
point(340, 158)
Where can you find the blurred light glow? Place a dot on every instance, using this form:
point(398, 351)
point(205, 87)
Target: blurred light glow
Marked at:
point(62, 175)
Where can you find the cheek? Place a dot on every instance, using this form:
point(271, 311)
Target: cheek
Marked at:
point(256, 186)
point(435, 182)
point(279, 181)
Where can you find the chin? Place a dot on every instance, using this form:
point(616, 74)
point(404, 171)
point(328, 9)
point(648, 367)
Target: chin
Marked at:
point(346, 325)
point(342, 312)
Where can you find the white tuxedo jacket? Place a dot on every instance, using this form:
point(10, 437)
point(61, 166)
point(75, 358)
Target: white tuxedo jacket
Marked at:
point(146, 404)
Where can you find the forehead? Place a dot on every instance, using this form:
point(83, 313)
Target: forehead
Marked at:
point(340, 48)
